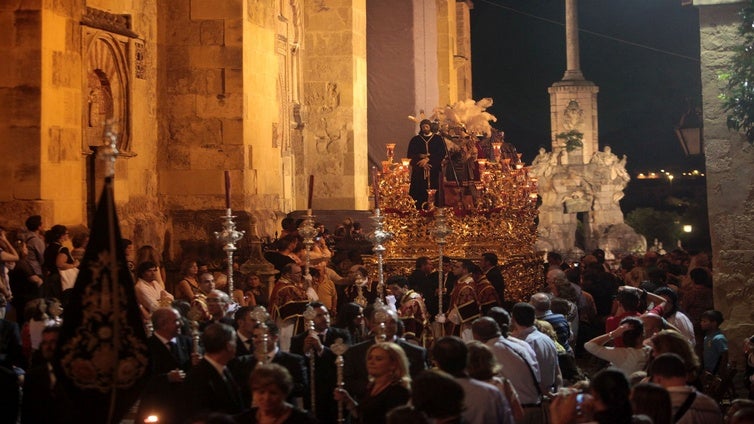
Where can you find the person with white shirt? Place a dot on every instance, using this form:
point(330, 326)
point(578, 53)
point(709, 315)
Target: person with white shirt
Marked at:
point(632, 356)
point(150, 293)
point(544, 348)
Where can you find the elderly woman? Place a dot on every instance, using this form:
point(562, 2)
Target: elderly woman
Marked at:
point(270, 386)
point(389, 384)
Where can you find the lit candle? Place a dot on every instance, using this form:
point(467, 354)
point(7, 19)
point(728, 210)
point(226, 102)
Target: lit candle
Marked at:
point(311, 192)
point(390, 147)
point(405, 162)
point(227, 189)
point(376, 186)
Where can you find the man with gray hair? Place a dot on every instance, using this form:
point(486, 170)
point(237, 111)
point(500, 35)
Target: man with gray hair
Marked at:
point(209, 386)
point(541, 303)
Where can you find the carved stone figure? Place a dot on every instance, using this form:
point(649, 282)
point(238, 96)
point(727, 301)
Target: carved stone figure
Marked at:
point(573, 116)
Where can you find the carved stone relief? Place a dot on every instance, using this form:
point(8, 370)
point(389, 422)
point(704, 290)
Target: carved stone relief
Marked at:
point(106, 86)
point(573, 116)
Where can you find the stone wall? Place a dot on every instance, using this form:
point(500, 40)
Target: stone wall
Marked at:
point(20, 110)
point(730, 178)
point(335, 96)
point(52, 50)
point(272, 91)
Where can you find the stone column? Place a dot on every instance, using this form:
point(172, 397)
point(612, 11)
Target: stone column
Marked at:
point(335, 87)
point(20, 113)
point(730, 177)
point(573, 68)
point(202, 111)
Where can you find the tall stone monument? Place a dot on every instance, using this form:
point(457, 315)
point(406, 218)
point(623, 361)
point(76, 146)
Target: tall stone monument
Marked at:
point(579, 183)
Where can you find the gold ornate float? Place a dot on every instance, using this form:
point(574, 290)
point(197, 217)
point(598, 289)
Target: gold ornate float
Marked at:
point(494, 210)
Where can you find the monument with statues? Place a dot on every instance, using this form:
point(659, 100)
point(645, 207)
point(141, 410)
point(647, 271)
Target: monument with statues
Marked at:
point(579, 184)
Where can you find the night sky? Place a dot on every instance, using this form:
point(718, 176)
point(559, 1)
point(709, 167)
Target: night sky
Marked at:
point(645, 60)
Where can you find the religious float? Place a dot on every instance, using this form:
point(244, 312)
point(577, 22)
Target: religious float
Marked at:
point(487, 203)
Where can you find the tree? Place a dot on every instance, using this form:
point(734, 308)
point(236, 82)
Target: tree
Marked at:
point(653, 224)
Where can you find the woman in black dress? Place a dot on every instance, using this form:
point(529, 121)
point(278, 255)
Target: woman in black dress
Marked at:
point(389, 384)
point(270, 386)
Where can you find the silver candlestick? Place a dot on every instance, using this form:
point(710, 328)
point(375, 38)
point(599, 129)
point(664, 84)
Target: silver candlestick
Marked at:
point(378, 237)
point(229, 236)
point(308, 232)
point(440, 232)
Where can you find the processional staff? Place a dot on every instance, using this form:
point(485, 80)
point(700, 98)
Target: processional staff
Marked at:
point(195, 315)
point(229, 235)
point(440, 232)
point(260, 315)
point(379, 235)
point(309, 315)
point(339, 348)
point(380, 317)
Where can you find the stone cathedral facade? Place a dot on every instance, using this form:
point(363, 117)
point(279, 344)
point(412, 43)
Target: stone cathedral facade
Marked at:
point(271, 90)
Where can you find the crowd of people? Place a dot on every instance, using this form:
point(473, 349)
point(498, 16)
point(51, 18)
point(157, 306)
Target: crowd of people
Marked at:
point(334, 344)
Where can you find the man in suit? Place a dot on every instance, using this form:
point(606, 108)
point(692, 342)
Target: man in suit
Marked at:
point(242, 366)
point(316, 344)
point(43, 400)
point(209, 385)
point(355, 368)
point(217, 306)
point(170, 358)
point(244, 331)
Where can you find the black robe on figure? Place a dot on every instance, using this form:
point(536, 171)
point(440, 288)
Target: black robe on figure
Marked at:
point(418, 148)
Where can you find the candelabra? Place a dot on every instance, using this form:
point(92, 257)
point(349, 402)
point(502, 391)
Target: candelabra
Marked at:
point(229, 236)
point(308, 232)
point(378, 237)
point(339, 348)
point(440, 232)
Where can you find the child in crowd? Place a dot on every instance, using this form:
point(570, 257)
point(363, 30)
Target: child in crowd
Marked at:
point(715, 350)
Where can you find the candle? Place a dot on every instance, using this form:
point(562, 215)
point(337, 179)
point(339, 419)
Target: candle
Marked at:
point(311, 192)
point(376, 186)
point(227, 189)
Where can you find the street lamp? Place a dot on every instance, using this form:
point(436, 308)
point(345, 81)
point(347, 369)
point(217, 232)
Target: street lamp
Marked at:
point(689, 132)
point(687, 228)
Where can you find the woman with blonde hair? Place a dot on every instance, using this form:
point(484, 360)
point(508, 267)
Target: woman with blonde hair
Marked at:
point(483, 366)
point(671, 341)
point(389, 384)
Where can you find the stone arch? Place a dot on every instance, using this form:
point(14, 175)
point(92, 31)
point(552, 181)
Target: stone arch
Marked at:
point(106, 88)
